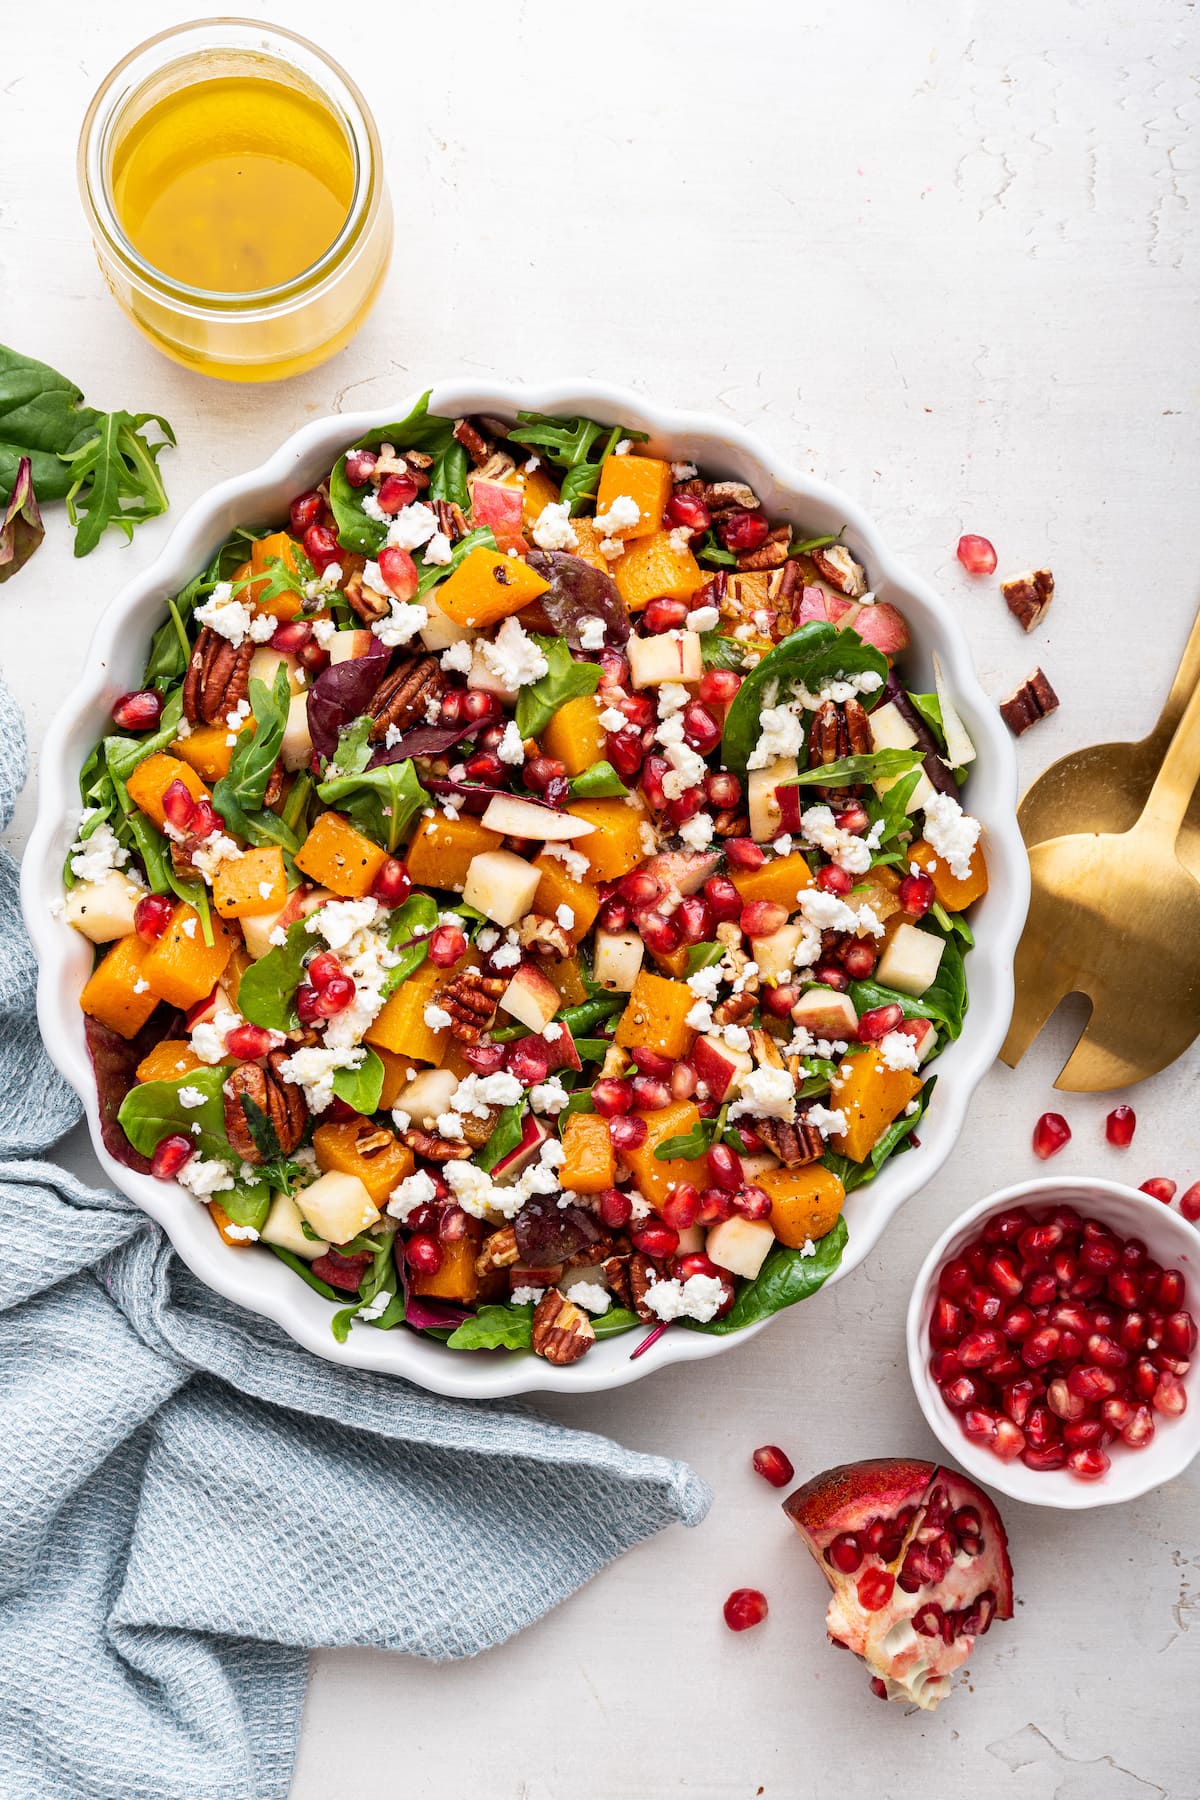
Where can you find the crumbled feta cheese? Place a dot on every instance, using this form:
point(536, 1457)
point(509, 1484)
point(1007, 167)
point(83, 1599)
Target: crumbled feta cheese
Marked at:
point(825, 912)
point(513, 658)
point(683, 471)
point(438, 551)
point(488, 938)
point(94, 857)
point(340, 920)
point(241, 1234)
point(700, 1016)
point(591, 634)
point(565, 916)
point(590, 1295)
point(412, 526)
point(574, 861)
point(436, 1017)
point(230, 618)
point(457, 659)
point(208, 857)
point(370, 505)
point(190, 1097)
point(781, 734)
point(826, 1120)
point(401, 624)
point(277, 935)
point(914, 1106)
point(613, 719)
point(202, 1178)
point(697, 832)
point(476, 1093)
point(549, 1097)
point(325, 630)
point(700, 1297)
point(622, 515)
point(705, 618)
point(534, 462)
point(554, 530)
point(506, 957)
point(449, 1125)
point(375, 1308)
point(672, 697)
point(526, 1296)
point(899, 1051)
point(511, 748)
point(188, 927)
point(705, 983)
point(842, 847)
point(314, 1067)
point(765, 1094)
point(624, 447)
point(680, 540)
point(265, 889)
point(737, 1037)
point(952, 832)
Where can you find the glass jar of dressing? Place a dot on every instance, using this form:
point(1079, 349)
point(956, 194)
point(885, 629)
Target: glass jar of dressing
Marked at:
point(232, 178)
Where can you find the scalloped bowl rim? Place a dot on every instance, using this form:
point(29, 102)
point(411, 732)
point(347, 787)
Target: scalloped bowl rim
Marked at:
point(113, 665)
point(1170, 1240)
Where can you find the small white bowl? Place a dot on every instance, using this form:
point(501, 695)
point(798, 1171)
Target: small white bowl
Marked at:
point(114, 664)
point(1171, 1241)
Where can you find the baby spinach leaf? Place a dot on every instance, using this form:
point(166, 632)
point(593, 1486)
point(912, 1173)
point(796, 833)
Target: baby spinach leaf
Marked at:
point(600, 782)
point(267, 993)
point(408, 928)
point(123, 754)
point(299, 1267)
point(382, 802)
point(506, 1135)
point(786, 1277)
point(944, 1001)
point(580, 446)
point(874, 765)
point(564, 680)
point(21, 528)
point(448, 476)
point(380, 1276)
point(808, 658)
point(930, 709)
point(703, 956)
point(613, 1322)
point(721, 652)
point(421, 430)
point(115, 477)
point(246, 1203)
point(495, 1328)
point(429, 574)
point(41, 416)
point(953, 923)
point(593, 1049)
point(154, 1111)
point(362, 1086)
point(253, 762)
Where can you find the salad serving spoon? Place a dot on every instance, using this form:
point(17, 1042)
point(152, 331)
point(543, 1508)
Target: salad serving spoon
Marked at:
point(1115, 915)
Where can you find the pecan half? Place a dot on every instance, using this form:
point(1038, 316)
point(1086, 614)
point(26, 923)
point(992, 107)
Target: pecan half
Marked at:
point(841, 570)
point(772, 553)
point(735, 1007)
point(471, 1000)
point(1027, 596)
point(545, 937)
point(274, 788)
point(451, 519)
point(562, 1332)
point(838, 729)
point(434, 1148)
point(722, 496)
point(218, 677)
point(499, 1251)
point(476, 445)
point(282, 1104)
point(402, 696)
point(1033, 700)
point(731, 824)
point(794, 1144)
point(363, 601)
point(615, 1271)
point(642, 1273)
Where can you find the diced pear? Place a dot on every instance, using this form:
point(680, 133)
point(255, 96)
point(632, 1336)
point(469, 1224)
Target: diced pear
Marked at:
point(265, 662)
point(283, 1227)
point(827, 1014)
point(511, 816)
point(501, 884)
point(762, 802)
point(440, 631)
point(774, 954)
point(911, 961)
point(740, 1245)
point(337, 1206)
point(103, 910)
point(428, 1095)
point(616, 958)
point(959, 748)
point(672, 656)
point(297, 748)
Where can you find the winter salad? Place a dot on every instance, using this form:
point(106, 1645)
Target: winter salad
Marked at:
point(526, 896)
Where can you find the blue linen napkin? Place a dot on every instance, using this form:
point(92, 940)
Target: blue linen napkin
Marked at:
point(189, 1502)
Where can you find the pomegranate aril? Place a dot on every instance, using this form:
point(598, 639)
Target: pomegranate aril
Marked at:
point(1008, 1440)
point(1040, 1289)
point(1189, 1204)
point(928, 1619)
point(684, 1082)
point(1042, 1427)
point(1039, 1242)
point(323, 968)
point(664, 615)
point(700, 729)
point(651, 1062)
point(308, 1005)
point(1005, 1276)
point(745, 1608)
point(984, 1304)
point(979, 1347)
point(660, 933)
point(719, 686)
point(778, 1001)
point(650, 1093)
point(170, 1154)
point(722, 790)
point(946, 1324)
point(614, 914)
point(1019, 1396)
point(877, 1684)
point(875, 1588)
point(627, 1133)
point(392, 885)
point(179, 805)
point(1124, 1287)
point(979, 1423)
point(336, 996)
point(1018, 1322)
point(1041, 1347)
point(1119, 1126)
point(752, 1203)
point(245, 1042)
point(1159, 1187)
point(655, 1239)
point(762, 918)
point(447, 946)
point(625, 751)
point(205, 819)
point(725, 1167)
point(833, 879)
point(1063, 1402)
point(1100, 1256)
point(611, 1097)
point(1105, 1352)
point(1047, 1456)
point(151, 916)
point(688, 510)
point(483, 1059)
point(1088, 1464)
point(723, 898)
point(878, 1021)
point(616, 1208)
point(964, 1392)
point(139, 711)
point(304, 511)
point(694, 918)
point(716, 1205)
point(359, 466)
point(773, 1465)
point(955, 1279)
point(743, 853)
point(944, 1365)
point(321, 547)
point(743, 530)
point(859, 961)
point(1179, 1334)
point(1169, 1396)
point(916, 895)
point(1050, 1134)
point(1169, 1289)
point(396, 492)
point(976, 554)
point(831, 976)
point(1139, 1428)
point(424, 1255)
point(853, 817)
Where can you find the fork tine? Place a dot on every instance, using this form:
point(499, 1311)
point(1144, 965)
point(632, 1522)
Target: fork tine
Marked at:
point(1041, 984)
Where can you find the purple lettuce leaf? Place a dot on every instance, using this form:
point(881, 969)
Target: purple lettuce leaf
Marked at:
point(21, 528)
point(933, 762)
point(473, 796)
point(577, 592)
point(548, 1234)
point(341, 694)
point(425, 740)
point(114, 1064)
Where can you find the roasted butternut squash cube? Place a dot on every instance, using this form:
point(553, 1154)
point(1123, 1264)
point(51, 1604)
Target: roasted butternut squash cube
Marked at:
point(805, 1203)
point(207, 749)
point(151, 779)
point(870, 1095)
point(646, 481)
point(285, 605)
point(652, 569)
point(954, 895)
point(400, 1025)
point(567, 977)
point(442, 850)
point(338, 857)
point(457, 1279)
point(615, 846)
point(538, 489)
point(255, 882)
point(590, 1164)
point(556, 888)
point(168, 1061)
point(654, 1179)
point(575, 735)
point(181, 968)
point(372, 1152)
point(587, 544)
point(487, 586)
point(781, 881)
point(231, 1234)
point(398, 1071)
point(656, 1016)
point(117, 993)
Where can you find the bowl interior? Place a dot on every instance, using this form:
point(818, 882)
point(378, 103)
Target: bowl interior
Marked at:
point(114, 665)
point(1170, 1240)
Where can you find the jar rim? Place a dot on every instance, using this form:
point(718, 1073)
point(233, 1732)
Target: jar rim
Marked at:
point(273, 44)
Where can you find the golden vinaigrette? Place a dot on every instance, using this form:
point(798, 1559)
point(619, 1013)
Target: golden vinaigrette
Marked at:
point(233, 185)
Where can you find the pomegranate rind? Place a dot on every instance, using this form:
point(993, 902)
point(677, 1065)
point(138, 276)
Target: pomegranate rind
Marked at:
point(838, 1499)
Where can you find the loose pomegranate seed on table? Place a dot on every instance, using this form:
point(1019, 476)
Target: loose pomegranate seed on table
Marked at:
point(1119, 1126)
point(773, 1464)
point(1050, 1134)
point(1189, 1203)
point(1159, 1187)
point(976, 554)
point(744, 1608)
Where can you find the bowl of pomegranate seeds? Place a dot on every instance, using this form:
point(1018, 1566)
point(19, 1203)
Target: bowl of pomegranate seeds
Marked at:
point(1051, 1335)
point(526, 888)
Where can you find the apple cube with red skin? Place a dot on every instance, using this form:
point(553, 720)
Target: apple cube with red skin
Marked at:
point(205, 1011)
point(684, 871)
point(534, 1133)
point(530, 997)
point(765, 799)
point(923, 1035)
point(300, 903)
point(563, 1054)
point(511, 816)
point(827, 1014)
point(671, 656)
point(718, 1067)
point(878, 623)
point(348, 646)
point(497, 504)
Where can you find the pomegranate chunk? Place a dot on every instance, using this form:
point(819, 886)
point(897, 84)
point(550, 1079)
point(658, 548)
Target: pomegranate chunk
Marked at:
point(773, 1465)
point(862, 1519)
point(1050, 1134)
point(976, 554)
point(745, 1607)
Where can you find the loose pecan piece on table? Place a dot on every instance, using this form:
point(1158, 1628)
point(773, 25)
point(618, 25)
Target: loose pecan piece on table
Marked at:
point(1035, 699)
point(218, 677)
point(838, 729)
point(471, 1000)
point(794, 1144)
point(402, 696)
point(1027, 596)
point(282, 1105)
point(562, 1331)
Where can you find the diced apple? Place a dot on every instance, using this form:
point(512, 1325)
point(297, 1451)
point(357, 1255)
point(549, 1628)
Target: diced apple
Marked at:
point(440, 630)
point(427, 1096)
point(257, 929)
point(740, 1245)
point(297, 748)
point(513, 817)
point(827, 1014)
point(763, 804)
point(205, 1011)
point(501, 884)
point(265, 662)
point(534, 1133)
point(923, 1034)
point(616, 958)
point(283, 1226)
point(500, 505)
point(774, 954)
point(337, 1206)
point(691, 1240)
point(672, 656)
point(719, 1068)
point(103, 910)
point(682, 871)
point(530, 997)
point(959, 748)
point(911, 960)
point(761, 1163)
point(561, 1045)
point(348, 646)
point(890, 730)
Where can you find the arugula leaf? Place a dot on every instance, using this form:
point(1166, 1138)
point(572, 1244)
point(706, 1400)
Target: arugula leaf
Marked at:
point(713, 553)
point(803, 546)
point(353, 752)
point(408, 928)
point(382, 802)
point(153, 1111)
point(695, 1142)
point(721, 652)
point(421, 430)
point(506, 1135)
point(278, 578)
point(787, 1276)
point(361, 1087)
point(600, 782)
point(564, 680)
point(253, 762)
point(874, 765)
point(808, 658)
point(115, 477)
point(703, 956)
point(429, 574)
point(890, 810)
point(944, 1001)
point(267, 992)
point(578, 445)
point(21, 528)
point(495, 1328)
point(592, 1049)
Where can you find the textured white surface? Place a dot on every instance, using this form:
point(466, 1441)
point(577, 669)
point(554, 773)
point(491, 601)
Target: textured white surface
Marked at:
point(945, 257)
